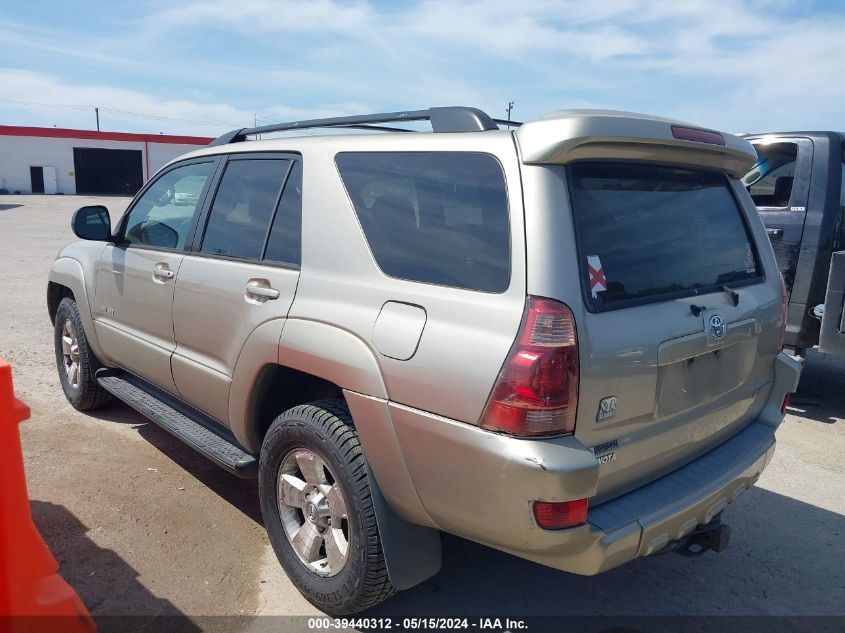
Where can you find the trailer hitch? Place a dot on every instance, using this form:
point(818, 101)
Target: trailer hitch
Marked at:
point(715, 536)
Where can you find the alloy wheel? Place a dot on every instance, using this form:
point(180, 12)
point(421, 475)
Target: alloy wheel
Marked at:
point(313, 512)
point(70, 354)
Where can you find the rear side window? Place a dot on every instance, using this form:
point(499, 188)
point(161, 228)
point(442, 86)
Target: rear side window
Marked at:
point(243, 207)
point(284, 242)
point(649, 233)
point(433, 217)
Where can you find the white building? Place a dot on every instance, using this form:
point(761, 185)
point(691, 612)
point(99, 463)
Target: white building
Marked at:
point(56, 160)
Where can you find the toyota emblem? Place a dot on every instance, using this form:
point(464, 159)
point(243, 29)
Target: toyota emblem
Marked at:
point(718, 327)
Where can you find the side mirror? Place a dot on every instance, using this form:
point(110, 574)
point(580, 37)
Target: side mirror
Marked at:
point(92, 223)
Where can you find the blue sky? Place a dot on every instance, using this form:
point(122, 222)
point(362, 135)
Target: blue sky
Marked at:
point(204, 67)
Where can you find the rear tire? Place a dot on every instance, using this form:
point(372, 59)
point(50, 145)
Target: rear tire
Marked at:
point(312, 470)
point(75, 361)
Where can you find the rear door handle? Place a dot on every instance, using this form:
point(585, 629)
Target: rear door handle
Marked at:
point(259, 292)
point(774, 232)
point(161, 272)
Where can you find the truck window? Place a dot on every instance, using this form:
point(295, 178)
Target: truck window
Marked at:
point(839, 229)
point(650, 233)
point(770, 180)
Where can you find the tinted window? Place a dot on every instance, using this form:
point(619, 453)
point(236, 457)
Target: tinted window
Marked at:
point(163, 215)
point(646, 231)
point(770, 180)
point(435, 217)
point(839, 228)
point(284, 243)
point(242, 209)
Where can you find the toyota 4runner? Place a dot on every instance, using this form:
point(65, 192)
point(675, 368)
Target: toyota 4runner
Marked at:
point(562, 341)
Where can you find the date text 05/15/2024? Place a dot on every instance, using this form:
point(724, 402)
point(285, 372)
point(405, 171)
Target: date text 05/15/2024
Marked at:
point(501, 625)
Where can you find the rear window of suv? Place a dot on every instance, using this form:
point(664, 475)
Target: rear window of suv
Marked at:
point(652, 233)
point(433, 217)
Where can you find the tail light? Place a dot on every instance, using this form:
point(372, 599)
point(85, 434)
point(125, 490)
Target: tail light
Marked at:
point(784, 301)
point(785, 404)
point(536, 392)
point(556, 515)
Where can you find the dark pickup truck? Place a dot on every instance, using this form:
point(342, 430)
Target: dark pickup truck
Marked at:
point(798, 185)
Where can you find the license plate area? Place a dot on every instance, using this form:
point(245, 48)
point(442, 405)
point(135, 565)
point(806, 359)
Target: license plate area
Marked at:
point(699, 379)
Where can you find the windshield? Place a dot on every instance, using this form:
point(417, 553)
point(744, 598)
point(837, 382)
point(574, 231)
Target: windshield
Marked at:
point(650, 233)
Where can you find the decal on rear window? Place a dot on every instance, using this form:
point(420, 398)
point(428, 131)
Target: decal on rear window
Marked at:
point(598, 282)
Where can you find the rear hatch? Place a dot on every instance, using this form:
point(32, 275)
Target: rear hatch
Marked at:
point(678, 329)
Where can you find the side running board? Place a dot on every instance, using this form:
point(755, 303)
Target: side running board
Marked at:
point(181, 420)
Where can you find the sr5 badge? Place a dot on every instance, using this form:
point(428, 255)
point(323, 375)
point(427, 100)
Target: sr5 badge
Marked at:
point(607, 409)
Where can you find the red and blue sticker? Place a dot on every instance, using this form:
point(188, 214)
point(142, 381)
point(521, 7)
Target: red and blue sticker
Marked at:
point(598, 282)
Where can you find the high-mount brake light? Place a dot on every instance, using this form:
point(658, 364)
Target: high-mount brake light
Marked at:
point(700, 136)
point(536, 392)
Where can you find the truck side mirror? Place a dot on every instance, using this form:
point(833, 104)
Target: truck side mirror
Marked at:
point(92, 223)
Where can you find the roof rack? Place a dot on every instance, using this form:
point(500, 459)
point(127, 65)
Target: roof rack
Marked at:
point(445, 119)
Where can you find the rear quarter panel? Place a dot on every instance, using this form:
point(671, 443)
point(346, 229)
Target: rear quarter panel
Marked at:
point(466, 335)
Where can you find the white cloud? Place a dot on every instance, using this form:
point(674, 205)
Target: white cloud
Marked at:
point(722, 63)
point(120, 108)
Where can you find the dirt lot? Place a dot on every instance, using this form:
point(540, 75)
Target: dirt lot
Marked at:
point(141, 524)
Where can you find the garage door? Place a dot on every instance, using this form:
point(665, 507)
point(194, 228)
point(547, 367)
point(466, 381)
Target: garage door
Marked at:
point(115, 171)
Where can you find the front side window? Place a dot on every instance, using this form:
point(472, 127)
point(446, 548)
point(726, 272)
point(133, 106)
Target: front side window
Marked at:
point(647, 233)
point(243, 207)
point(770, 180)
point(433, 217)
point(163, 215)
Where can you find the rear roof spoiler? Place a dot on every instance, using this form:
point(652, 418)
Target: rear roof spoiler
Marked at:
point(568, 135)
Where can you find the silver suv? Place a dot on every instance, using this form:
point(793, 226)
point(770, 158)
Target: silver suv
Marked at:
point(562, 341)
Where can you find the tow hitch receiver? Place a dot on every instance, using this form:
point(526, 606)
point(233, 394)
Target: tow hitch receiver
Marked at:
point(713, 536)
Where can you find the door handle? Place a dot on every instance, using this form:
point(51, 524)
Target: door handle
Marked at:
point(261, 292)
point(162, 272)
point(774, 232)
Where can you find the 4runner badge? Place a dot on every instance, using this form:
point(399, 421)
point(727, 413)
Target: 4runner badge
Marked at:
point(607, 409)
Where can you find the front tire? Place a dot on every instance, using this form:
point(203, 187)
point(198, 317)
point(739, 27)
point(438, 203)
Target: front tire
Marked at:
point(75, 361)
point(318, 509)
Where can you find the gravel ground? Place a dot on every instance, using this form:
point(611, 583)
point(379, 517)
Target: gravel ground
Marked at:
point(141, 524)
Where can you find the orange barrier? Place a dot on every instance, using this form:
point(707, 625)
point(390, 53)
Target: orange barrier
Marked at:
point(33, 597)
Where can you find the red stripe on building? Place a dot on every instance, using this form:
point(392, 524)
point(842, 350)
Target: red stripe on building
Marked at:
point(93, 135)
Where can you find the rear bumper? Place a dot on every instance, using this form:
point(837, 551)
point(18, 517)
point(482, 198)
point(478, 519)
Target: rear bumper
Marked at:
point(645, 520)
point(481, 486)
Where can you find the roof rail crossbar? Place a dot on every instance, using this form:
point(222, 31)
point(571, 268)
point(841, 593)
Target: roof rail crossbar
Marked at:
point(444, 119)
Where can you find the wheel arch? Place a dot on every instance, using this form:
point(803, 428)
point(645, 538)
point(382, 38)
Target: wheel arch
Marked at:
point(295, 361)
point(67, 279)
point(289, 362)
